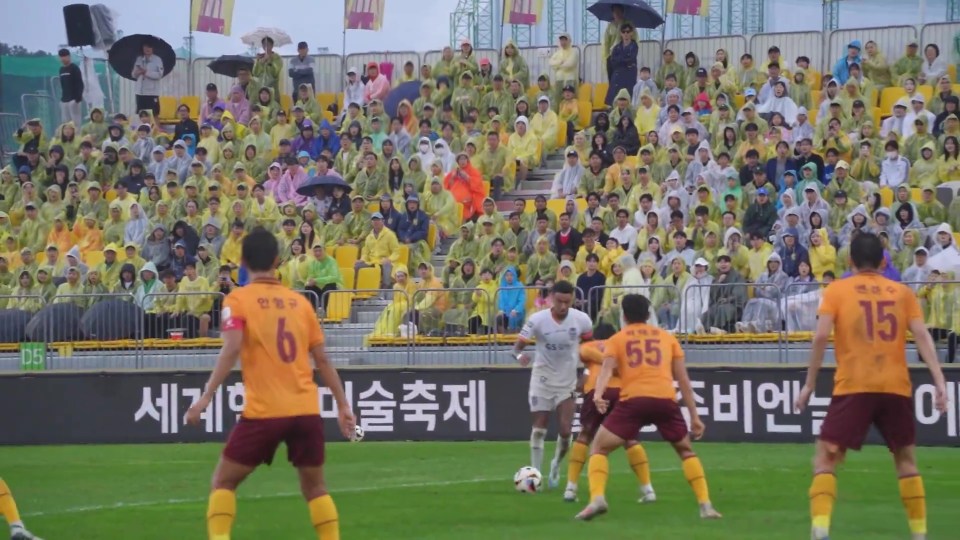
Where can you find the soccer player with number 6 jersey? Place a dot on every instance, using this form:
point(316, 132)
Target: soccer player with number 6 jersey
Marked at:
point(869, 316)
point(648, 360)
point(275, 333)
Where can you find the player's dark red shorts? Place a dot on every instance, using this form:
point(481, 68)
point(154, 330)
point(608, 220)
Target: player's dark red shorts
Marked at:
point(850, 416)
point(590, 417)
point(255, 441)
point(634, 413)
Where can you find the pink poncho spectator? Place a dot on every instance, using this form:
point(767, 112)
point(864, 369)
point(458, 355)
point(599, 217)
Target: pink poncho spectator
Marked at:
point(238, 106)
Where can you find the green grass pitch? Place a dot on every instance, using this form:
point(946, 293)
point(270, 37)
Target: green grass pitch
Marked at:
point(462, 491)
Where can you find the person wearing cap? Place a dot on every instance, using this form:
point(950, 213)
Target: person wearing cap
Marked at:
point(919, 270)
point(71, 291)
point(380, 250)
point(412, 230)
point(301, 69)
point(565, 63)
point(33, 231)
point(944, 92)
point(761, 215)
point(465, 95)
point(211, 100)
point(356, 222)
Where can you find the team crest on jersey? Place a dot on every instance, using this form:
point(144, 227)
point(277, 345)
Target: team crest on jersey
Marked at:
point(225, 315)
point(573, 334)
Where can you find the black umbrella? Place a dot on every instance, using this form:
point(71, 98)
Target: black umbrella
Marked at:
point(13, 325)
point(230, 64)
point(124, 53)
point(55, 322)
point(638, 12)
point(110, 320)
point(327, 181)
point(409, 91)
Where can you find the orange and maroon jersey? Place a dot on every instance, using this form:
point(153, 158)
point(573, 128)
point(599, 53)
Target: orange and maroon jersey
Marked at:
point(279, 328)
point(871, 316)
point(645, 356)
point(592, 355)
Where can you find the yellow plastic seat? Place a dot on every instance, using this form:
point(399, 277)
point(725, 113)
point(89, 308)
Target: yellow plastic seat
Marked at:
point(373, 207)
point(368, 282)
point(584, 113)
point(339, 305)
point(600, 96)
point(432, 236)
point(349, 277)
point(886, 197)
point(558, 206)
point(168, 110)
point(633, 162)
point(532, 95)
point(93, 258)
point(889, 97)
point(286, 102)
point(193, 102)
point(561, 135)
point(952, 72)
point(346, 255)
point(916, 195)
point(404, 258)
point(326, 99)
point(585, 92)
point(739, 100)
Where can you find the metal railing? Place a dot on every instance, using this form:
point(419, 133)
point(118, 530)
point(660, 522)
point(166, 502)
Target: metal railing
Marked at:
point(823, 49)
point(95, 331)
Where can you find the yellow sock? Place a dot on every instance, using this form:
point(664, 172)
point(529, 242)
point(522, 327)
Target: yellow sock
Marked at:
point(323, 515)
point(8, 507)
point(597, 471)
point(915, 502)
point(637, 457)
point(693, 471)
point(221, 510)
point(823, 493)
point(578, 456)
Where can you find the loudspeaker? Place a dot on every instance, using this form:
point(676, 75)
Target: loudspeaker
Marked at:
point(79, 24)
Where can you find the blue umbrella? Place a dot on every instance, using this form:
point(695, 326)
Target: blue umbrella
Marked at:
point(309, 188)
point(638, 12)
point(409, 91)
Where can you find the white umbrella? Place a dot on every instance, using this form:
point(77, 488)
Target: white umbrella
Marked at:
point(255, 37)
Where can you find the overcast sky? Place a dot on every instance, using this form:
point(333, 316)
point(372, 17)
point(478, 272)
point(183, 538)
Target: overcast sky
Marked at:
point(417, 25)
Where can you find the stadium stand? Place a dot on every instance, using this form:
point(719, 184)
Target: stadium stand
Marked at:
point(740, 204)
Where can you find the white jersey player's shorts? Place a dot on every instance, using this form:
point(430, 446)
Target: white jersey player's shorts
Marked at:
point(543, 399)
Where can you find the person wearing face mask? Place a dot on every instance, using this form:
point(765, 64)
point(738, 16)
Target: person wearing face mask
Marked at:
point(894, 168)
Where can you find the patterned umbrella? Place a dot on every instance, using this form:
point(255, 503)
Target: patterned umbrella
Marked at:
point(255, 38)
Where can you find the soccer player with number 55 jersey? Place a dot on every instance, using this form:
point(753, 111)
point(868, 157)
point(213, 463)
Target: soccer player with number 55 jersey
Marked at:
point(275, 334)
point(648, 360)
point(869, 316)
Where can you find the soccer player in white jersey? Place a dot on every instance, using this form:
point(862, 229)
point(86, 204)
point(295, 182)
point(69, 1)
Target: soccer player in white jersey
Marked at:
point(553, 379)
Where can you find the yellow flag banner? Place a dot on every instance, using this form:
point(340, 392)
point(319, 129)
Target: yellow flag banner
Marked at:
point(699, 8)
point(363, 14)
point(211, 16)
point(522, 11)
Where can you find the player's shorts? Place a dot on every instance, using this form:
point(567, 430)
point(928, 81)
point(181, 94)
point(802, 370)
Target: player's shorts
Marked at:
point(631, 414)
point(545, 399)
point(850, 416)
point(255, 441)
point(590, 417)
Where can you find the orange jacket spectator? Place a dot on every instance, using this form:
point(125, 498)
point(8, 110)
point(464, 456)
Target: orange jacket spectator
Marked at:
point(466, 184)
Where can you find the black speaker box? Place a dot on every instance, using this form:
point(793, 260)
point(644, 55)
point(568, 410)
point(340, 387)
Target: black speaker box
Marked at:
point(79, 24)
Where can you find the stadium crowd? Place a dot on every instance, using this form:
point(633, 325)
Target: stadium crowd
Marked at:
point(727, 173)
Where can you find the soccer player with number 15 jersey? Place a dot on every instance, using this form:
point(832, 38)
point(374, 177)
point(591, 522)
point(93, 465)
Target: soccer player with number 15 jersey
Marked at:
point(870, 316)
point(275, 333)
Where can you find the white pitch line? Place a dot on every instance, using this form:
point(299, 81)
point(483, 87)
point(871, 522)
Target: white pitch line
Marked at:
point(357, 489)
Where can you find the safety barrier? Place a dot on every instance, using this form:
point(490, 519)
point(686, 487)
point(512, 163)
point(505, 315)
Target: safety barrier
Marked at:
point(822, 49)
point(40, 106)
point(9, 124)
point(98, 331)
point(432, 57)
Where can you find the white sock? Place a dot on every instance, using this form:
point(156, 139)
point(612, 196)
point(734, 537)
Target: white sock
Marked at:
point(537, 436)
point(563, 445)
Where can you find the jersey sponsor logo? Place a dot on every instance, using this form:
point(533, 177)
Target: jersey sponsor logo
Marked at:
point(573, 334)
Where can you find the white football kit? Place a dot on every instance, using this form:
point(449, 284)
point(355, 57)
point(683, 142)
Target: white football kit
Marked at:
point(554, 375)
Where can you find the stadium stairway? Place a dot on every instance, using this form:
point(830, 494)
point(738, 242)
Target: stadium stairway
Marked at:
point(347, 340)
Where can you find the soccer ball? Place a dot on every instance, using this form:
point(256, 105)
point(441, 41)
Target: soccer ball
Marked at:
point(357, 434)
point(527, 480)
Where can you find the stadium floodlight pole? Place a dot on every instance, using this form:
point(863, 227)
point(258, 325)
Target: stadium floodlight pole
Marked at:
point(189, 48)
point(343, 52)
